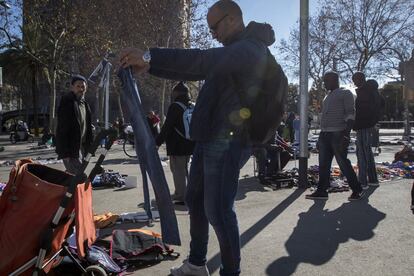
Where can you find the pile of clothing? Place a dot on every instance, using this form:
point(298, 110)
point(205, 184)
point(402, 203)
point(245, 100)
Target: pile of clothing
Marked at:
point(389, 171)
point(109, 179)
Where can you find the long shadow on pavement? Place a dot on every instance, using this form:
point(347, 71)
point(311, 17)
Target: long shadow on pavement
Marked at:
point(319, 233)
point(249, 184)
point(214, 263)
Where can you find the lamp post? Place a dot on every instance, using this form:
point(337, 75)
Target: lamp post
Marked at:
point(304, 98)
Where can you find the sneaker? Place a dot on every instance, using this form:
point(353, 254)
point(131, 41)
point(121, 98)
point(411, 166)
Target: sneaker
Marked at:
point(364, 187)
point(318, 194)
point(356, 196)
point(374, 184)
point(189, 269)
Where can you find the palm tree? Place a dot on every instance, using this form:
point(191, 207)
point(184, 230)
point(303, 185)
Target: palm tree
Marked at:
point(22, 63)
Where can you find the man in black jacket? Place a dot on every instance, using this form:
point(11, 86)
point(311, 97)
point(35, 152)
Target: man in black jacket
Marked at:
point(365, 120)
point(74, 128)
point(218, 124)
point(179, 148)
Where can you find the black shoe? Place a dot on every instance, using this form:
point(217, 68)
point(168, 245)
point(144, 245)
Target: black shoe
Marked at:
point(318, 194)
point(356, 196)
point(178, 202)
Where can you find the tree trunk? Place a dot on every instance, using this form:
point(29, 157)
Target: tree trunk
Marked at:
point(52, 101)
point(34, 95)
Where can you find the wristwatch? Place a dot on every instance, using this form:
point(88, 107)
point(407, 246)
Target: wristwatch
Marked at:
point(146, 57)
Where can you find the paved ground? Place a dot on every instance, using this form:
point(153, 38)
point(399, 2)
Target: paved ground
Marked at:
point(282, 233)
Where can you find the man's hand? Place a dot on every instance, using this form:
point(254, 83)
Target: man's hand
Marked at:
point(132, 57)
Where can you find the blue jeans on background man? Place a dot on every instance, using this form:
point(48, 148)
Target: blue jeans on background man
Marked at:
point(211, 192)
point(366, 162)
point(331, 144)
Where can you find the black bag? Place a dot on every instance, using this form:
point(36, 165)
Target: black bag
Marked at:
point(269, 105)
point(139, 247)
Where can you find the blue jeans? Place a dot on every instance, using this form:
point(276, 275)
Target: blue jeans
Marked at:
point(210, 197)
point(366, 162)
point(332, 144)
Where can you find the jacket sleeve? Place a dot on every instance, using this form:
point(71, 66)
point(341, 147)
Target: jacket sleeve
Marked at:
point(196, 64)
point(173, 115)
point(349, 106)
point(63, 125)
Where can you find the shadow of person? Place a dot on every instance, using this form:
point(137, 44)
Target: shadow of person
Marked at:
point(319, 232)
point(249, 184)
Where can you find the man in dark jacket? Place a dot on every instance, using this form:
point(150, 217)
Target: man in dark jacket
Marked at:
point(217, 124)
point(179, 148)
point(74, 128)
point(365, 120)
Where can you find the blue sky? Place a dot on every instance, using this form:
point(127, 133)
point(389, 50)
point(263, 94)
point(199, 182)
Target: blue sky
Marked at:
point(281, 14)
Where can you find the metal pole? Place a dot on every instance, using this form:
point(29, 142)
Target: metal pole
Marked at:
point(164, 84)
point(107, 83)
point(304, 66)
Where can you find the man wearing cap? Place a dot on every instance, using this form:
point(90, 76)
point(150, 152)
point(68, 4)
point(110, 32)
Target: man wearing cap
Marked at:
point(74, 128)
point(179, 148)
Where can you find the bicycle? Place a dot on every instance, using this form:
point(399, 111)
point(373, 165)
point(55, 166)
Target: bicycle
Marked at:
point(129, 143)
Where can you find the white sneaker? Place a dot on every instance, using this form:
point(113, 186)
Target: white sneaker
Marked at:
point(374, 184)
point(188, 269)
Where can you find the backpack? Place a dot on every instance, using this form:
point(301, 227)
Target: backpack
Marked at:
point(268, 106)
point(188, 112)
point(139, 247)
point(379, 101)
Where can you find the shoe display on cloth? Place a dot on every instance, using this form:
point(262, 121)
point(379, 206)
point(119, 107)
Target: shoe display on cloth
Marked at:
point(373, 184)
point(318, 194)
point(356, 196)
point(187, 269)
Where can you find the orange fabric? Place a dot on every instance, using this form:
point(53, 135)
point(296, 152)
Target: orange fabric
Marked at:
point(146, 231)
point(27, 207)
point(85, 226)
point(105, 220)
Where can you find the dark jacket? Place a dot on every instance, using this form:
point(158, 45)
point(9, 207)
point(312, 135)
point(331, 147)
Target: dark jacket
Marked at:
point(68, 132)
point(365, 107)
point(242, 62)
point(176, 144)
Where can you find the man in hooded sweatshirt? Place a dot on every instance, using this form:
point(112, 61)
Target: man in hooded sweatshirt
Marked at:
point(179, 148)
point(217, 126)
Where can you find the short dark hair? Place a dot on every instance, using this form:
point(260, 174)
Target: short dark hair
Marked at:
point(77, 78)
point(359, 73)
point(228, 7)
point(332, 73)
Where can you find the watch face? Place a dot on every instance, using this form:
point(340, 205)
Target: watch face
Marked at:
point(146, 57)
